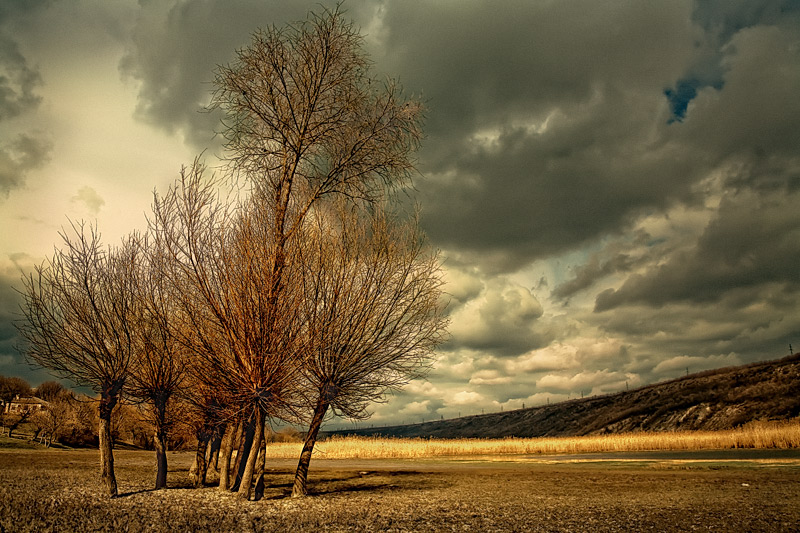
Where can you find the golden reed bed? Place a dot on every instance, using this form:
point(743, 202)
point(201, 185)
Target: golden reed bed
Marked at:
point(780, 435)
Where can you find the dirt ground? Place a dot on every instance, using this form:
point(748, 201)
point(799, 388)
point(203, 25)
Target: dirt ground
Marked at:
point(59, 490)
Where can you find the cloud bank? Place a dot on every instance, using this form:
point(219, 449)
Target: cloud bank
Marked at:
point(614, 186)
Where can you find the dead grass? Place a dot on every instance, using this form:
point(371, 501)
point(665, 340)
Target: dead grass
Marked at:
point(59, 490)
point(759, 435)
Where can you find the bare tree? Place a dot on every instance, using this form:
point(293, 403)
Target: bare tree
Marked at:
point(49, 390)
point(206, 415)
point(54, 419)
point(79, 310)
point(241, 337)
point(158, 368)
point(12, 387)
point(13, 420)
point(373, 312)
point(304, 120)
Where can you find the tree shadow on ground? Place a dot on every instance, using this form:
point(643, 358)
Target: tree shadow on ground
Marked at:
point(328, 483)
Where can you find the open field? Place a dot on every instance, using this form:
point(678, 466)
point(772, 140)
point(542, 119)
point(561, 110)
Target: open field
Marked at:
point(59, 490)
point(758, 435)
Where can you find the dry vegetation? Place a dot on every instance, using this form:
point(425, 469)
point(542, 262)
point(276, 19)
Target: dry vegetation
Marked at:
point(58, 490)
point(776, 435)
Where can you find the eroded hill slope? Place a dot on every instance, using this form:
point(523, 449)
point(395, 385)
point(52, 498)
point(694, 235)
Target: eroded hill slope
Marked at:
point(718, 399)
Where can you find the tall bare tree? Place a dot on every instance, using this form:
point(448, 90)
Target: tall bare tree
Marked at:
point(373, 311)
point(304, 120)
point(79, 310)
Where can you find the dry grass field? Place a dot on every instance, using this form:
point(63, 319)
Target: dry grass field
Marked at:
point(59, 490)
point(757, 435)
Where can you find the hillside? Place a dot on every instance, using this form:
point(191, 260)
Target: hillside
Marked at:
point(717, 399)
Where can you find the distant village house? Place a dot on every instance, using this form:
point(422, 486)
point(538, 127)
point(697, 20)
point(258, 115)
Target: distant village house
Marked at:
point(20, 405)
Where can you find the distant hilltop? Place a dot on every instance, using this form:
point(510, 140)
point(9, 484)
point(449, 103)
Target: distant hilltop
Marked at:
point(714, 399)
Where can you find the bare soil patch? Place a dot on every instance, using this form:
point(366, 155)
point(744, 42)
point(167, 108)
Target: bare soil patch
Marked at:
point(59, 490)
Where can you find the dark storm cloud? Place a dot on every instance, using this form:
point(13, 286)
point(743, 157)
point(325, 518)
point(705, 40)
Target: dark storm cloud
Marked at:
point(18, 81)
point(724, 18)
point(545, 121)
point(18, 157)
point(175, 49)
point(751, 129)
point(754, 240)
point(548, 124)
point(592, 271)
point(12, 362)
point(745, 325)
point(564, 96)
point(720, 20)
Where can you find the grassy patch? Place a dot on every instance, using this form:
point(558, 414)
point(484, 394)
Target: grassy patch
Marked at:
point(17, 443)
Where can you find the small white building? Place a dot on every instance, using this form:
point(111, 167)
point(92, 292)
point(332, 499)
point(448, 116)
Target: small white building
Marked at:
point(29, 403)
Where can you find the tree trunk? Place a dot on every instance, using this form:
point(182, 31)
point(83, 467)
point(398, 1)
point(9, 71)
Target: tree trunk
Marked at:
point(197, 473)
point(214, 447)
point(246, 486)
point(23, 416)
point(301, 475)
point(244, 451)
point(160, 441)
point(262, 465)
point(228, 441)
point(107, 403)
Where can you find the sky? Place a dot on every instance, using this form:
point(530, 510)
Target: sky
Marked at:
point(614, 186)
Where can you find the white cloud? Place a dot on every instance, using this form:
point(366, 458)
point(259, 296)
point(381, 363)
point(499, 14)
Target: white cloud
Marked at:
point(587, 382)
point(462, 284)
point(501, 318)
point(467, 398)
point(490, 377)
point(677, 365)
point(89, 198)
point(415, 408)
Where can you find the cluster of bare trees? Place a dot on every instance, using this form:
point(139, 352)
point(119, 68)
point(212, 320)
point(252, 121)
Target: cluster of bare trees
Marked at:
point(283, 287)
point(52, 412)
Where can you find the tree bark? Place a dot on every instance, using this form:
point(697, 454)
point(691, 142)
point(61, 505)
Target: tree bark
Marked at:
point(300, 488)
point(23, 416)
point(246, 486)
point(228, 441)
point(262, 465)
point(161, 458)
point(197, 473)
point(107, 403)
point(214, 448)
point(244, 452)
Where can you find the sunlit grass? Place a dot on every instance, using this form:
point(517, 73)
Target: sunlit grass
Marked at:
point(774, 435)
